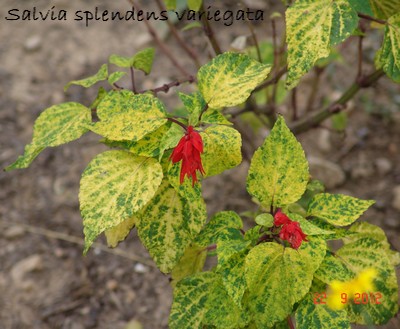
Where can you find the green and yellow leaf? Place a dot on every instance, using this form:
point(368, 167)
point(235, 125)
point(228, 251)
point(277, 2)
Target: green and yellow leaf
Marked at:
point(169, 223)
point(148, 146)
point(280, 277)
point(337, 209)
point(219, 223)
point(137, 116)
point(56, 125)
point(389, 55)
point(171, 138)
point(114, 103)
point(194, 104)
point(101, 75)
point(384, 9)
point(143, 60)
point(307, 227)
point(364, 254)
point(310, 315)
point(364, 230)
point(313, 27)
point(232, 254)
point(119, 233)
point(278, 173)
point(213, 116)
point(229, 79)
point(115, 76)
point(191, 263)
point(222, 149)
point(114, 186)
point(200, 300)
point(332, 268)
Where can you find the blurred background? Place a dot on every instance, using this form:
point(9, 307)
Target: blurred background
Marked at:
point(45, 282)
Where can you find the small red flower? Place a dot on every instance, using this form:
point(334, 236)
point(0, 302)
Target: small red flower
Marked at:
point(188, 150)
point(280, 218)
point(291, 230)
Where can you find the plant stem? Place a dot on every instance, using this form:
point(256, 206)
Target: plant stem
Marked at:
point(290, 322)
point(276, 61)
point(161, 44)
point(359, 64)
point(370, 18)
point(179, 39)
point(210, 32)
point(269, 82)
point(294, 104)
point(314, 88)
point(177, 122)
point(167, 86)
point(202, 111)
point(316, 118)
point(253, 35)
point(133, 80)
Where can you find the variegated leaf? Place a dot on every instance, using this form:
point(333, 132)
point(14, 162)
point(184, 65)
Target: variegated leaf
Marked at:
point(364, 230)
point(143, 60)
point(232, 250)
point(307, 227)
point(278, 277)
point(56, 125)
point(148, 146)
point(313, 27)
point(169, 223)
point(383, 9)
point(368, 253)
point(119, 233)
point(310, 315)
point(200, 300)
point(219, 223)
point(229, 79)
point(337, 209)
point(114, 186)
point(389, 55)
point(191, 263)
point(278, 173)
point(101, 75)
point(222, 149)
point(134, 117)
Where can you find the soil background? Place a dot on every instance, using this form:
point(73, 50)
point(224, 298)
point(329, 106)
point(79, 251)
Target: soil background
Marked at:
point(45, 282)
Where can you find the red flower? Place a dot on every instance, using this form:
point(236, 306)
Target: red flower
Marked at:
point(188, 150)
point(291, 231)
point(280, 218)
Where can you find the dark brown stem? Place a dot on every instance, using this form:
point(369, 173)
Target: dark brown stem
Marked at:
point(314, 88)
point(202, 111)
point(211, 247)
point(359, 64)
point(316, 118)
point(290, 322)
point(162, 45)
point(210, 33)
point(263, 238)
point(177, 122)
point(178, 37)
point(276, 61)
point(373, 19)
point(133, 80)
point(294, 104)
point(167, 86)
point(253, 35)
